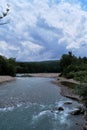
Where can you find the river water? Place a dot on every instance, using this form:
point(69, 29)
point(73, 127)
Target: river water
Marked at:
point(31, 104)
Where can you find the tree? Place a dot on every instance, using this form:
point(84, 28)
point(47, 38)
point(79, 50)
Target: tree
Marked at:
point(12, 66)
point(3, 65)
point(4, 14)
point(7, 66)
point(66, 60)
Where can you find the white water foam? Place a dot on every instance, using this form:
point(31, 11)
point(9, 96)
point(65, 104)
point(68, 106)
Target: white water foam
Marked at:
point(19, 105)
point(5, 109)
point(41, 114)
point(10, 108)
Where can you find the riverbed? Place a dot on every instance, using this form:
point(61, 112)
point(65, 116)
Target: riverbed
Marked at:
point(30, 103)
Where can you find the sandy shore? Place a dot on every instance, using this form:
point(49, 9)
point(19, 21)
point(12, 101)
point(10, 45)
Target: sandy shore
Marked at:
point(46, 75)
point(6, 79)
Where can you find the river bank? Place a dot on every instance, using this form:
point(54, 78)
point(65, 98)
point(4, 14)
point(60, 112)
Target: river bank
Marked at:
point(6, 79)
point(65, 90)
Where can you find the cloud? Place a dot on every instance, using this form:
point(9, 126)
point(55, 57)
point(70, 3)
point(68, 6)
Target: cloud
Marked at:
point(7, 50)
point(44, 29)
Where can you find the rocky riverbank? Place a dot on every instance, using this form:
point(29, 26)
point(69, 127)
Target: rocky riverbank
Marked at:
point(70, 93)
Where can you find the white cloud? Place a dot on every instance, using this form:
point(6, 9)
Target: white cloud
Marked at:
point(31, 47)
point(6, 49)
point(63, 15)
point(28, 51)
point(67, 16)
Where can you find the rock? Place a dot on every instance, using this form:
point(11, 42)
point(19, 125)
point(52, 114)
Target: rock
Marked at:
point(82, 109)
point(60, 109)
point(57, 109)
point(85, 127)
point(68, 103)
point(85, 115)
point(76, 123)
point(76, 112)
point(79, 110)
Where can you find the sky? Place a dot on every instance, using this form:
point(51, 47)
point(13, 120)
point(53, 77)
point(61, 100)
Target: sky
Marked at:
point(39, 30)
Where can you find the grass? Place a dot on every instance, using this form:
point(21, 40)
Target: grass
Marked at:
point(81, 76)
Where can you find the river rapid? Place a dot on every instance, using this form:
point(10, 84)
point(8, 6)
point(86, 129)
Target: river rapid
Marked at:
point(31, 104)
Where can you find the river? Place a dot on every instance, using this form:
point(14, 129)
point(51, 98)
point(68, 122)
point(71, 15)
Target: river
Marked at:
point(30, 104)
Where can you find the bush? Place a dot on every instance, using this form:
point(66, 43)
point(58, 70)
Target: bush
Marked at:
point(81, 76)
point(82, 91)
point(70, 75)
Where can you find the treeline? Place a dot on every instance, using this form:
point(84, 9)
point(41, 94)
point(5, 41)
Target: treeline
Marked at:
point(7, 66)
point(38, 67)
point(11, 66)
point(69, 66)
point(73, 67)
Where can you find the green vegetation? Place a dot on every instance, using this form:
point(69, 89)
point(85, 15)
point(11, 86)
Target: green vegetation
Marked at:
point(73, 67)
point(11, 67)
point(38, 67)
point(82, 91)
point(7, 66)
point(76, 68)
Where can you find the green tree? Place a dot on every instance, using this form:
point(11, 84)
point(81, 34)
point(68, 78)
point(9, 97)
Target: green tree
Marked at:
point(12, 66)
point(7, 66)
point(3, 65)
point(66, 60)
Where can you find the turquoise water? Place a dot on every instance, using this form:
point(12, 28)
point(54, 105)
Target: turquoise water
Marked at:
point(30, 104)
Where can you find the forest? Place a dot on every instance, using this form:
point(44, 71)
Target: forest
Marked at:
point(38, 67)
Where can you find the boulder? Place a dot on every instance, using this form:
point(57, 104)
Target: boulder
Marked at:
point(79, 110)
point(75, 112)
point(85, 127)
point(85, 115)
point(60, 109)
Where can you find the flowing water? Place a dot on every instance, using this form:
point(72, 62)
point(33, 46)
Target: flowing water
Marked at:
point(31, 104)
